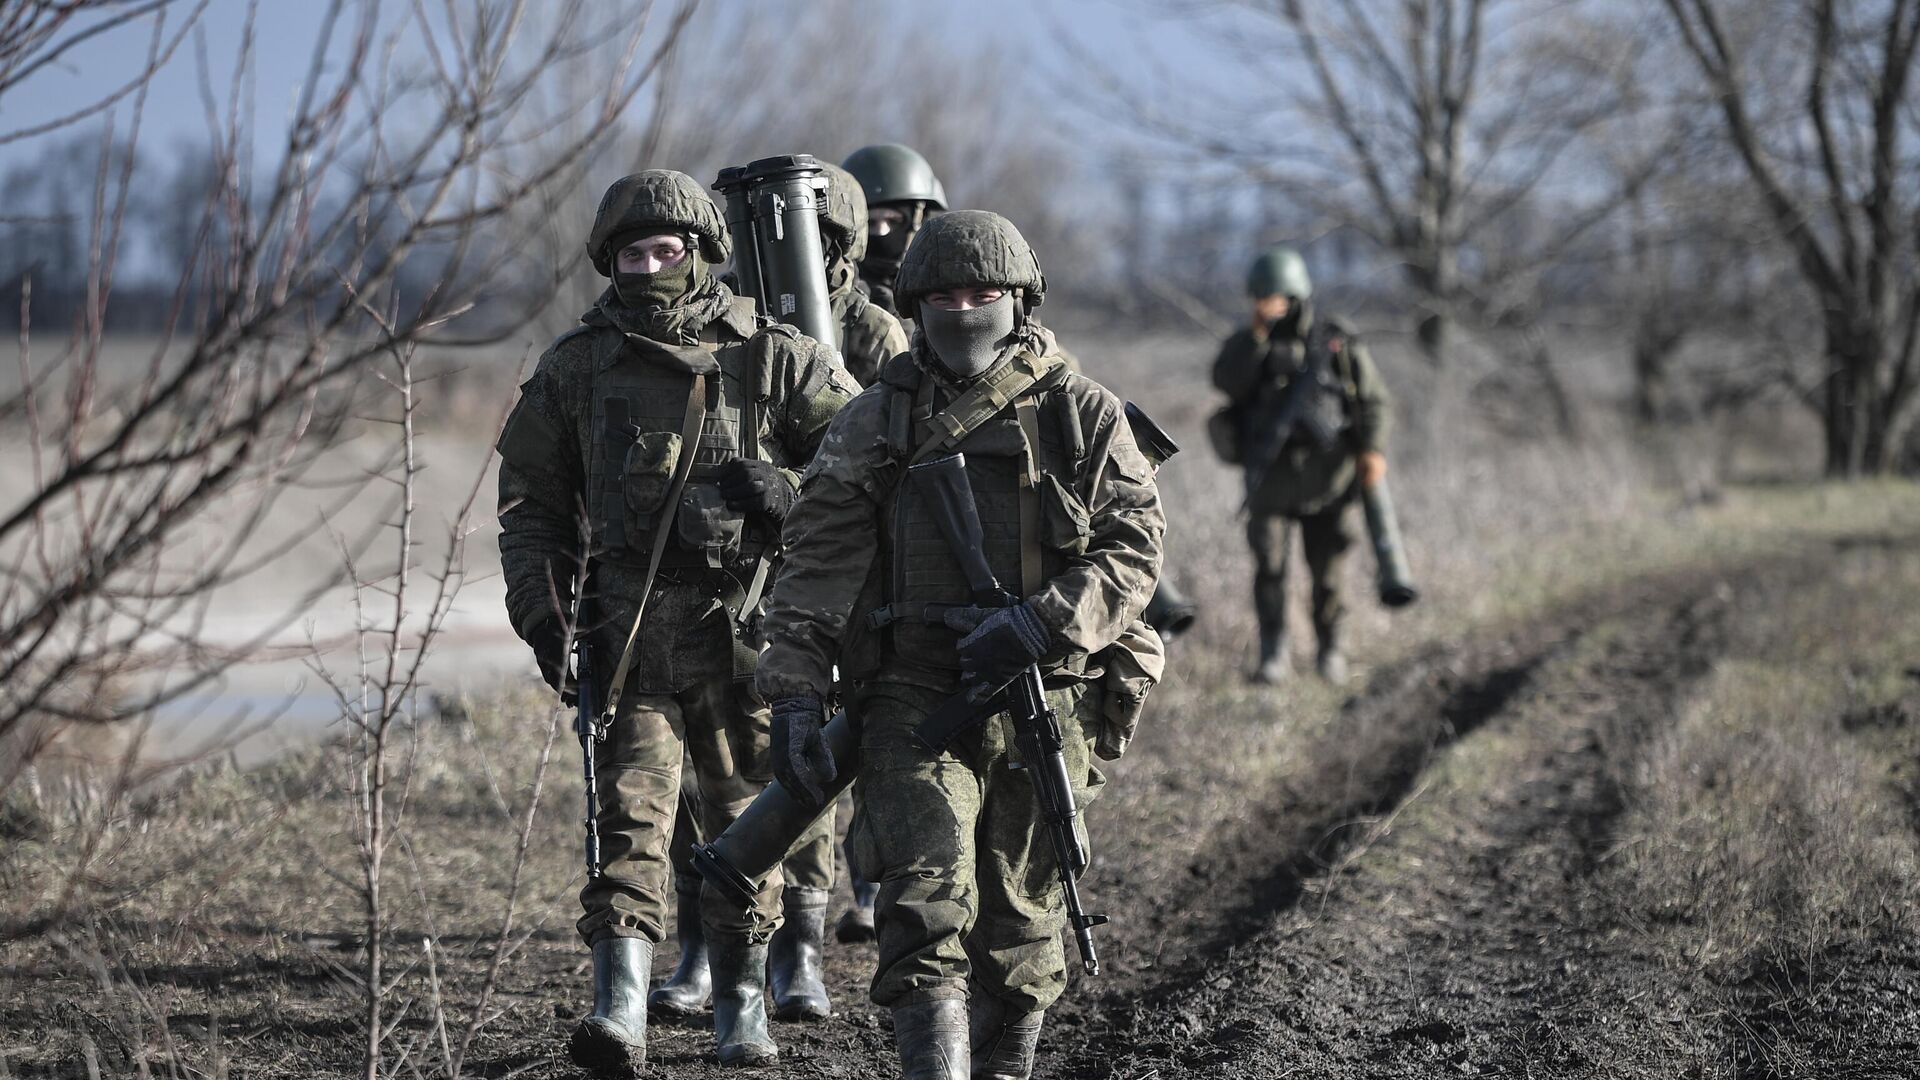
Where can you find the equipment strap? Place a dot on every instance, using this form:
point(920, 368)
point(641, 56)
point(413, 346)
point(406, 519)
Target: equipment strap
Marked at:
point(980, 403)
point(690, 430)
point(750, 432)
point(1030, 564)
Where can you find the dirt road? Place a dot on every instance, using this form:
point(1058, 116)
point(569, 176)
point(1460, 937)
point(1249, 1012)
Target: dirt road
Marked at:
point(1502, 858)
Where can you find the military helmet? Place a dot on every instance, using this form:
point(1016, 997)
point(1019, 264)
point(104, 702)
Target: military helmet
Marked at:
point(657, 198)
point(968, 247)
point(1279, 272)
point(889, 172)
point(844, 214)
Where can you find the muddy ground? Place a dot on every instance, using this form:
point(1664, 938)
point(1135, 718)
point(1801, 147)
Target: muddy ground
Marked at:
point(1439, 876)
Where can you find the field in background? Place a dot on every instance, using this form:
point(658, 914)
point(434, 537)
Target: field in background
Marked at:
point(1677, 664)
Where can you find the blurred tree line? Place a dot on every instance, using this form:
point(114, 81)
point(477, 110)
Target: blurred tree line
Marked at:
point(1489, 174)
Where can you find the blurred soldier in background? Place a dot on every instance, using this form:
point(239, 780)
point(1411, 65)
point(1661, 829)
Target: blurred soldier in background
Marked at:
point(637, 418)
point(1307, 419)
point(902, 193)
point(970, 912)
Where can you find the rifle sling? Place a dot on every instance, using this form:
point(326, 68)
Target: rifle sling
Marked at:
point(690, 430)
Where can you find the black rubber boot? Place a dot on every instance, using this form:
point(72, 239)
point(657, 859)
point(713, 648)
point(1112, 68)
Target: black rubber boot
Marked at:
point(857, 923)
point(740, 1000)
point(685, 992)
point(932, 1037)
point(1003, 1044)
point(1273, 668)
point(612, 1043)
point(793, 957)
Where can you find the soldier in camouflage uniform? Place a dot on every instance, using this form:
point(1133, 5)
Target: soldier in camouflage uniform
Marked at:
point(902, 195)
point(670, 426)
point(1307, 417)
point(869, 337)
point(869, 334)
point(969, 910)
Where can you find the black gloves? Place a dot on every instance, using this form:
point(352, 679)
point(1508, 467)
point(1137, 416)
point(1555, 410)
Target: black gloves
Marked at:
point(801, 759)
point(999, 642)
point(752, 486)
point(549, 642)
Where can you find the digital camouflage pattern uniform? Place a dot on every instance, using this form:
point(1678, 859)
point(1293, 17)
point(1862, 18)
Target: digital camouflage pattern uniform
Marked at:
point(869, 334)
point(1308, 484)
point(967, 877)
point(598, 437)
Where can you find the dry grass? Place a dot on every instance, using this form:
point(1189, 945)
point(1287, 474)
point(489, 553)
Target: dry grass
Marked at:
point(1774, 821)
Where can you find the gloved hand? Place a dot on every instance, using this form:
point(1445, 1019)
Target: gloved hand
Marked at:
point(801, 759)
point(752, 486)
point(998, 643)
point(1373, 468)
point(549, 643)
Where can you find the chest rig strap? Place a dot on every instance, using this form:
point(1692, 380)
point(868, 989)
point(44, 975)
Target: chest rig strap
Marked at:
point(690, 430)
point(1030, 568)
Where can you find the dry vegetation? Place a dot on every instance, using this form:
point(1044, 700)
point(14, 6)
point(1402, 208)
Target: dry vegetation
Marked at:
point(1764, 801)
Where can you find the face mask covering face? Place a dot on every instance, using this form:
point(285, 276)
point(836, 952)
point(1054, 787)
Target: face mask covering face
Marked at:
point(656, 290)
point(969, 342)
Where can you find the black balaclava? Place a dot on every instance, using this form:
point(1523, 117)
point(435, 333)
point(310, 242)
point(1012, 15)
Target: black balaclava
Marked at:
point(970, 342)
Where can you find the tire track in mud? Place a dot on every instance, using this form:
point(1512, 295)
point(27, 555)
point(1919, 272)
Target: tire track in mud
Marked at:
point(1264, 990)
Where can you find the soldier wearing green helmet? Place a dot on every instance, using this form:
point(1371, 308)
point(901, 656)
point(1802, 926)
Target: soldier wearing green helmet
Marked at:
point(671, 425)
point(970, 955)
point(869, 333)
point(902, 193)
point(1307, 418)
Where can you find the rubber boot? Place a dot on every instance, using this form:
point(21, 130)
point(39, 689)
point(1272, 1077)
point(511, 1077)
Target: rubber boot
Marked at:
point(685, 992)
point(1003, 1045)
point(793, 957)
point(932, 1037)
point(740, 1000)
point(857, 923)
point(612, 1043)
point(1273, 668)
point(1332, 662)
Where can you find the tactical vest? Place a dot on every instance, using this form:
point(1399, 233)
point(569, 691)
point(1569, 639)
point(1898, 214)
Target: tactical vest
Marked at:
point(923, 577)
point(1307, 404)
point(640, 401)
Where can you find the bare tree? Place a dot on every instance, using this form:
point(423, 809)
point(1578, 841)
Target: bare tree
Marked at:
point(1448, 132)
point(387, 221)
point(1826, 133)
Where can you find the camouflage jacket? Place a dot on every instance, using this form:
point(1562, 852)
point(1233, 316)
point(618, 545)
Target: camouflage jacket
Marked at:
point(838, 546)
point(545, 450)
point(869, 336)
point(1306, 479)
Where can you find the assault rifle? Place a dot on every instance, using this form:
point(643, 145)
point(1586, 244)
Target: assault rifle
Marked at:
point(1036, 726)
point(591, 729)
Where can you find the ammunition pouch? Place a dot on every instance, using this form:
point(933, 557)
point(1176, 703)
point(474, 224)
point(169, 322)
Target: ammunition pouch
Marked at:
point(1066, 525)
point(706, 524)
point(648, 471)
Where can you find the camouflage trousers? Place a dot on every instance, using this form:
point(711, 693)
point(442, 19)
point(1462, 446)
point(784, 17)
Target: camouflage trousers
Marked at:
point(969, 894)
point(1326, 538)
point(723, 728)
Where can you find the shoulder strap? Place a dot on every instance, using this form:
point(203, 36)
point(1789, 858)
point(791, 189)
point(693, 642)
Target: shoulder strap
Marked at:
point(981, 402)
point(690, 430)
point(1030, 565)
